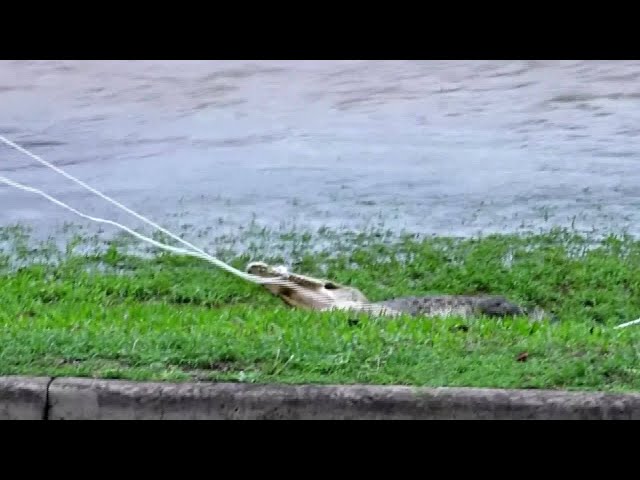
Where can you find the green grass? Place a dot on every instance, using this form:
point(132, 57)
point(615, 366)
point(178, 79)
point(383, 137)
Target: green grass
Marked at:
point(111, 314)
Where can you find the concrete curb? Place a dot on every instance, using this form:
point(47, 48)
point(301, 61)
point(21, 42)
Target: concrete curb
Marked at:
point(23, 398)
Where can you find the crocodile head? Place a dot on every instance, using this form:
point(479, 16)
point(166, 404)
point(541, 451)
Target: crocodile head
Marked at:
point(307, 292)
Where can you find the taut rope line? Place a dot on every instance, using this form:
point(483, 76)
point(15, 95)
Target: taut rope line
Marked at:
point(196, 252)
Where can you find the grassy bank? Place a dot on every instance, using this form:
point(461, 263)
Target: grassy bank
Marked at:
point(115, 315)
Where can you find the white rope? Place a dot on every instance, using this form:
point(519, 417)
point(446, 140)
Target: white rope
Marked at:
point(197, 252)
point(628, 324)
point(100, 194)
point(100, 220)
point(204, 256)
point(202, 253)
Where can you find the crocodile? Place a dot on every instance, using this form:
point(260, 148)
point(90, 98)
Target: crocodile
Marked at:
point(318, 294)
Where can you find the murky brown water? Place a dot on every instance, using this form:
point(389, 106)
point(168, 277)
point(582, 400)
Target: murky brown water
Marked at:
point(451, 147)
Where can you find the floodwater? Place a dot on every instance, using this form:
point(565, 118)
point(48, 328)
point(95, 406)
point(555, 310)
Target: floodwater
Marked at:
point(436, 147)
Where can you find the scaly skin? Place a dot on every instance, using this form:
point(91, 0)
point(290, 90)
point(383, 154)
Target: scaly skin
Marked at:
point(319, 294)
